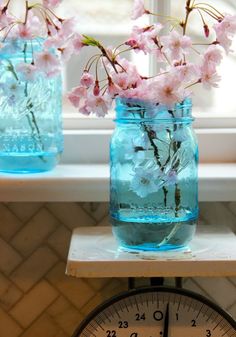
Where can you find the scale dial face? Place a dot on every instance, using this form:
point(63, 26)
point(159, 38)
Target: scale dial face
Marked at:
point(158, 312)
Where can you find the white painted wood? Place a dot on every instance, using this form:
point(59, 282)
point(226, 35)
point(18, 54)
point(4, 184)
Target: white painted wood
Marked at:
point(90, 182)
point(92, 146)
point(94, 253)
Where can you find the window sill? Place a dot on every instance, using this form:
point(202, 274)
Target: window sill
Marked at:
point(90, 182)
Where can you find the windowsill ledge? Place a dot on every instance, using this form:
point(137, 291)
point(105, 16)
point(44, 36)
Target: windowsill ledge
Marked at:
point(90, 182)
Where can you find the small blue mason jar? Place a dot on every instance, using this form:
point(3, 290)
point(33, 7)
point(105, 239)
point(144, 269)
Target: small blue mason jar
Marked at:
point(154, 176)
point(31, 138)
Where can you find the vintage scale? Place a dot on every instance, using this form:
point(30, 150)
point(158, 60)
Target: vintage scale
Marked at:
point(158, 312)
point(154, 310)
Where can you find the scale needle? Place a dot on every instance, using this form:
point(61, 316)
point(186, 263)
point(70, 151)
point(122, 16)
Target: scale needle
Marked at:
point(166, 322)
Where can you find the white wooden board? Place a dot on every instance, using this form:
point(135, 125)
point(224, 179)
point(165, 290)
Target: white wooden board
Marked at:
point(95, 253)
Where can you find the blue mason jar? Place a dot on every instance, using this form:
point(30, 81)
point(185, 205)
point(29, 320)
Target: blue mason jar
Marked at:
point(154, 176)
point(31, 138)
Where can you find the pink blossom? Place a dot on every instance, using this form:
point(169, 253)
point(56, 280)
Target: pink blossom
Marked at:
point(141, 92)
point(213, 54)
point(139, 41)
point(32, 28)
point(5, 19)
point(167, 90)
point(138, 9)
point(26, 71)
point(47, 62)
point(35, 24)
point(24, 32)
point(225, 30)
point(122, 80)
point(171, 178)
point(87, 79)
point(53, 42)
point(128, 77)
point(66, 52)
point(99, 104)
point(144, 38)
point(76, 95)
point(209, 76)
point(176, 45)
point(67, 27)
point(113, 89)
point(85, 109)
point(187, 73)
point(77, 43)
point(51, 3)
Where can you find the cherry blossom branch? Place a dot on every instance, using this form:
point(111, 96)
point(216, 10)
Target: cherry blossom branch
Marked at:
point(46, 10)
point(26, 11)
point(207, 11)
point(91, 62)
point(188, 11)
point(168, 18)
point(6, 6)
point(33, 124)
point(157, 157)
point(208, 5)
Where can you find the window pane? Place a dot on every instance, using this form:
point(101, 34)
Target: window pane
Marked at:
point(222, 99)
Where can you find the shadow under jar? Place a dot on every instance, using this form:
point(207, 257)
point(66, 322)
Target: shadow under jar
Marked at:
point(31, 138)
point(154, 176)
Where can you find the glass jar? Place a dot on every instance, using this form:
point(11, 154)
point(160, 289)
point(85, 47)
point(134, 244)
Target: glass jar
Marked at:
point(31, 138)
point(154, 176)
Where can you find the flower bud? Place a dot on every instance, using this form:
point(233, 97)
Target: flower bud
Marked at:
point(206, 30)
point(96, 89)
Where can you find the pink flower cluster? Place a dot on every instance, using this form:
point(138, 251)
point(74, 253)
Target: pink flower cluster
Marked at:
point(174, 50)
point(61, 38)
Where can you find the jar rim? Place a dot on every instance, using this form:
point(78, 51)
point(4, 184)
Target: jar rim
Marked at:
point(13, 47)
point(130, 110)
point(130, 104)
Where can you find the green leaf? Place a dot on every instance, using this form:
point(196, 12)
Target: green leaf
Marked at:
point(90, 41)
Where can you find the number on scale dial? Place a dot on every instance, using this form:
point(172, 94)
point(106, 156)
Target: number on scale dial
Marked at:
point(158, 312)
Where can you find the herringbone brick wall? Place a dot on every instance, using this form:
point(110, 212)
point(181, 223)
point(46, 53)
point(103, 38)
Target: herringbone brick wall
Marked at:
point(37, 299)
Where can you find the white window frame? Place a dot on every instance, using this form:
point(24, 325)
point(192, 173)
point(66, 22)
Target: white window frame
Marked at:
point(216, 135)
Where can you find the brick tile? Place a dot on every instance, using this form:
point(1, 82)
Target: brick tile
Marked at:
point(97, 283)
point(9, 294)
point(190, 284)
point(60, 241)
point(34, 303)
point(232, 310)
point(34, 232)
point(105, 221)
point(4, 284)
point(214, 287)
point(9, 258)
point(77, 291)
point(9, 223)
point(8, 327)
point(97, 210)
point(71, 214)
point(33, 268)
point(218, 214)
point(233, 279)
point(232, 207)
point(114, 287)
point(44, 327)
point(24, 210)
point(66, 316)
